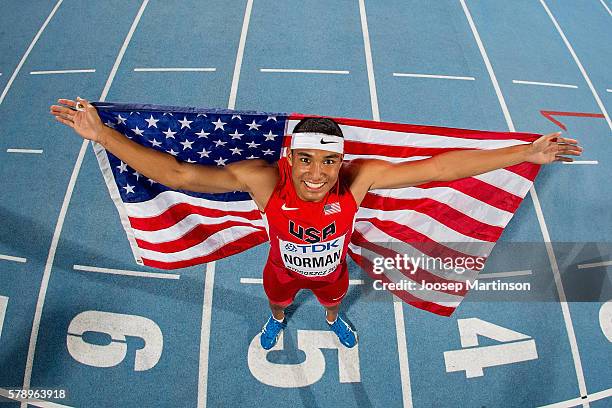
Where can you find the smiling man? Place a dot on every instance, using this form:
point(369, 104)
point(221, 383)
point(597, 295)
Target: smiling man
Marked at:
point(308, 199)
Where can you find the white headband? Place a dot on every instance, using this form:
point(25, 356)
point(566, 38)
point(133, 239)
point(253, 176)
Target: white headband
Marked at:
point(318, 141)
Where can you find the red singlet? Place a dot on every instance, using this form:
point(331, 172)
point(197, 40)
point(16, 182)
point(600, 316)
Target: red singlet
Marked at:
point(308, 240)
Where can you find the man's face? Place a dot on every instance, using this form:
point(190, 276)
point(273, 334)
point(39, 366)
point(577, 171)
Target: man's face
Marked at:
point(314, 172)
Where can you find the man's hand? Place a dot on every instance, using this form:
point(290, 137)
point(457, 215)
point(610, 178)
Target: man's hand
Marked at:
point(552, 147)
point(86, 123)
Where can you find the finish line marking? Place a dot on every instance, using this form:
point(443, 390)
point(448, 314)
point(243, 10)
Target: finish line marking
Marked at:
point(64, 71)
point(304, 71)
point(515, 81)
point(13, 258)
point(463, 78)
point(595, 265)
point(175, 69)
point(126, 272)
point(504, 274)
point(582, 162)
point(32, 151)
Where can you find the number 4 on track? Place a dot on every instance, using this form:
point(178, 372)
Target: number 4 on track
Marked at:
point(473, 359)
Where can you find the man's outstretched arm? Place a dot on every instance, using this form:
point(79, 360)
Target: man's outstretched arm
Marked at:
point(466, 163)
point(158, 166)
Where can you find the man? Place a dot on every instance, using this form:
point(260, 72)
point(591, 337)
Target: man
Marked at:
point(309, 199)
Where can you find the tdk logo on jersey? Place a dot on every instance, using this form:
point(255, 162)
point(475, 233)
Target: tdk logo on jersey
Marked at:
point(311, 234)
point(314, 248)
point(290, 247)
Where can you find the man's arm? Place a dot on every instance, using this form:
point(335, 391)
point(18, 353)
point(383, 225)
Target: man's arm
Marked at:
point(466, 163)
point(163, 167)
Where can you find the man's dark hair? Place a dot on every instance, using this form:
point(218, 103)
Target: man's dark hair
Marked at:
point(318, 125)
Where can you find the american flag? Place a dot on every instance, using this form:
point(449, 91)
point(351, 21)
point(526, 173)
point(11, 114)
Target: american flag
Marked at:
point(171, 229)
point(332, 208)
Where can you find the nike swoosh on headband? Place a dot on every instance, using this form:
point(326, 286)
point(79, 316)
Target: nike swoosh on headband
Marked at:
point(326, 141)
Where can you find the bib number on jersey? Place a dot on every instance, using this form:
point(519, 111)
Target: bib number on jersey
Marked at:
point(318, 259)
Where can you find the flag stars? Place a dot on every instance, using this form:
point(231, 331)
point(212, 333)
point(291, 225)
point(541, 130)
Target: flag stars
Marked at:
point(152, 181)
point(185, 123)
point(121, 119)
point(137, 175)
point(129, 189)
point(271, 118)
point(270, 136)
point(219, 125)
point(190, 161)
point(236, 117)
point(253, 125)
point(202, 133)
point(219, 143)
point(110, 124)
point(152, 122)
point(267, 151)
point(252, 145)
point(220, 161)
point(169, 133)
point(155, 143)
point(236, 150)
point(172, 152)
point(252, 157)
point(122, 167)
point(137, 131)
point(204, 153)
point(201, 114)
point(236, 135)
point(186, 144)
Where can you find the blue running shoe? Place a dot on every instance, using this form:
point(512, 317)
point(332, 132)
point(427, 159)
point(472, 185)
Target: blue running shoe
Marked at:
point(270, 332)
point(345, 334)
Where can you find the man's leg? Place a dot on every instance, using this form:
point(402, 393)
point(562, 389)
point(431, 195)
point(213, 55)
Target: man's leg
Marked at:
point(278, 311)
point(332, 313)
point(330, 296)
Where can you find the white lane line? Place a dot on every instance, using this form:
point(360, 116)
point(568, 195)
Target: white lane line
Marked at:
point(487, 62)
point(13, 258)
point(240, 54)
point(596, 396)
point(3, 305)
point(35, 402)
point(304, 71)
point(259, 281)
point(210, 267)
point(595, 265)
point(582, 70)
point(32, 151)
point(369, 61)
point(402, 352)
point(205, 334)
point(608, 90)
point(504, 274)
point(25, 56)
point(516, 81)
point(398, 308)
point(606, 6)
point(110, 271)
point(175, 69)
point(463, 78)
point(62, 215)
point(64, 71)
point(567, 318)
point(582, 162)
